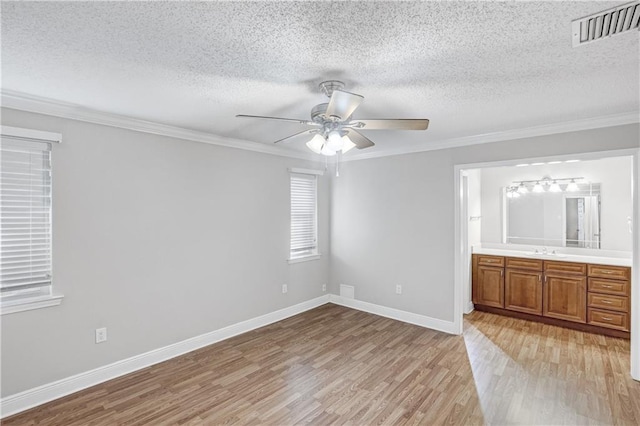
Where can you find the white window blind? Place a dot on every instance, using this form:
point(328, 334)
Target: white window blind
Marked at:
point(304, 239)
point(25, 217)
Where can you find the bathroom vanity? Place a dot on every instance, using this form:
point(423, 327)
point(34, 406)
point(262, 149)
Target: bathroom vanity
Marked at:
point(581, 292)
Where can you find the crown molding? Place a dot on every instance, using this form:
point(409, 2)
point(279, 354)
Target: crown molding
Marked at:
point(37, 104)
point(527, 132)
point(40, 105)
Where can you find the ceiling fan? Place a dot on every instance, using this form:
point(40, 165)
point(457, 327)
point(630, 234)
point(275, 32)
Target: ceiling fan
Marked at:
point(334, 129)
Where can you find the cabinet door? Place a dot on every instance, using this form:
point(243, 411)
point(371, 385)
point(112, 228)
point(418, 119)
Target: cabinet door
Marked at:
point(490, 291)
point(565, 297)
point(523, 291)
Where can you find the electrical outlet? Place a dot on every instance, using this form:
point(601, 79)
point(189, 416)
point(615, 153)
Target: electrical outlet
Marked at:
point(284, 288)
point(398, 289)
point(101, 335)
point(324, 287)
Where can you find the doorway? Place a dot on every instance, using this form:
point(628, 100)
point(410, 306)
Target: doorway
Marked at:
point(574, 234)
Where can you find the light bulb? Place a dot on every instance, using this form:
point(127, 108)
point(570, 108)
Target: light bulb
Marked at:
point(573, 186)
point(555, 187)
point(347, 144)
point(316, 144)
point(538, 188)
point(334, 140)
point(522, 189)
point(326, 150)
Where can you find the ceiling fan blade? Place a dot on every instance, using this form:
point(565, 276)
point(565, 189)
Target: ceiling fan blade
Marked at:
point(359, 139)
point(293, 120)
point(342, 104)
point(391, 124)
point(297, 134)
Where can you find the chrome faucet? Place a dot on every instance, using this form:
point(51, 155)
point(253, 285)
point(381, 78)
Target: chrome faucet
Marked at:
point(544, 250)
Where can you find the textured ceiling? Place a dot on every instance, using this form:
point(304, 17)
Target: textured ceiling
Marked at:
point(470, 67)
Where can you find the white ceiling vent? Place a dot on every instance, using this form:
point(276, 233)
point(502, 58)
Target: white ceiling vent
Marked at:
point(614, 21)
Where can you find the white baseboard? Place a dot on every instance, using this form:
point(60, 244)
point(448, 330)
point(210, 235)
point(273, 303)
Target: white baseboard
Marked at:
point(33, 397)
point(396, 314)
point(469, 308)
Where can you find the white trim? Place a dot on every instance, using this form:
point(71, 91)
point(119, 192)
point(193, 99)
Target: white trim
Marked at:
point(304, 258)
point(396, 314)
point(461, 240)
point(635, 271)
point(24, 102)
point(30, 304)
point(527, 132)
point(16, 403)
point(19, 132)
point(37, 104)
point(306, 171)
point(470, 308)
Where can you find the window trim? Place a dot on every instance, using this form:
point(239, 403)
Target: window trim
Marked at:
point(12, 305)
point(315, 254)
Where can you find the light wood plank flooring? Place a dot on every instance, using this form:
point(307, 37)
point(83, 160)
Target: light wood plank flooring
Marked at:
point(335, 365)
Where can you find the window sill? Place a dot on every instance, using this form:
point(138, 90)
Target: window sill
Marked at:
point(29, 304)
point(304, 258)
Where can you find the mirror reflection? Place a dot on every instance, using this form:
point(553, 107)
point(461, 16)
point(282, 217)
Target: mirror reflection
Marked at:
point(553, 212)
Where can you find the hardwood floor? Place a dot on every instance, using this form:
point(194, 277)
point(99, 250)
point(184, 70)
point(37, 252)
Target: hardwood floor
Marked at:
point(338, 365)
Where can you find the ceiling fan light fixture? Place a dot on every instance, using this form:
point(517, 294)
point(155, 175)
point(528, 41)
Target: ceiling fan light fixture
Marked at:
point(347, 144)
point(327, 151)
point(316, 144)
point(334, 141)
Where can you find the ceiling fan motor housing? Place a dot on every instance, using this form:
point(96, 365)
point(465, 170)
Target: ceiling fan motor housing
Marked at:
point(318, 113)
point(329, 86)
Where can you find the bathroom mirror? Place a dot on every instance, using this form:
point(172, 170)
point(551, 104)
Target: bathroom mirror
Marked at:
point(560, 218)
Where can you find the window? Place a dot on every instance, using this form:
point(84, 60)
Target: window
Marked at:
point(25, 220)
point(304, 229)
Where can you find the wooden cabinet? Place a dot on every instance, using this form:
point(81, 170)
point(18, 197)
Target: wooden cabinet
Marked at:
point(588, 297)
point(608, 298)
point(523, 291)
point(523, 285)
point(610, 272)
point(488, 280)
point(598, 285)
point(490, 283)
point(565, 297)
point(608, 319)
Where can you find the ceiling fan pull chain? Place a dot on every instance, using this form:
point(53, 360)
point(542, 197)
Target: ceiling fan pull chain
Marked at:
point(339, 154)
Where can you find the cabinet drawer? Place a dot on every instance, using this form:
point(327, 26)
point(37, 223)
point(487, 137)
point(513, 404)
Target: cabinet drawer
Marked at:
point(598, 285)
point(610, 272)
point(487, 260)
point(565, 267)
point(606, 301)
point(617, 320)
point(520, 263)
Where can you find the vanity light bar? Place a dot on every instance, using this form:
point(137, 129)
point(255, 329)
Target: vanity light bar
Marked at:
point(546, 179)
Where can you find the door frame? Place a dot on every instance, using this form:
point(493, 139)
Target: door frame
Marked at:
point(462, 255)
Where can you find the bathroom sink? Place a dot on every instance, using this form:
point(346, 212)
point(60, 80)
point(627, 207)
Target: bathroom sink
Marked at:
point(550, 255)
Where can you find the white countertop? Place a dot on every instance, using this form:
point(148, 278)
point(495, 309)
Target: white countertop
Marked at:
point(600, 260)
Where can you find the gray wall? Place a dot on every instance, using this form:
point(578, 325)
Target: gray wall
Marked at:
point(392, 218)
point(159, 240)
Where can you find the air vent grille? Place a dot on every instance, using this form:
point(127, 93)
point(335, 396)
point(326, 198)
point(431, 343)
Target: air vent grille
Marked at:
point(607, 23)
